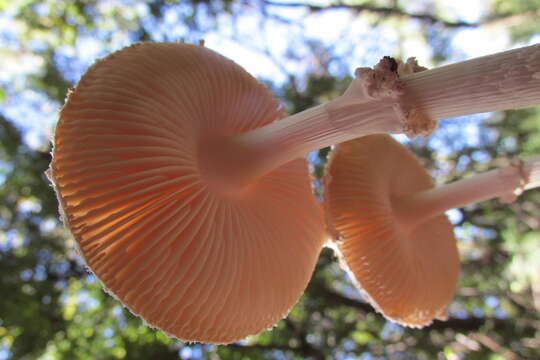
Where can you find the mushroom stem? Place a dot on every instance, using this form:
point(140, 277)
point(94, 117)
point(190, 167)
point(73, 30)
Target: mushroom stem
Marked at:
point(261, 150)
point(380, 101)
point(506, 183)
point(502, 81)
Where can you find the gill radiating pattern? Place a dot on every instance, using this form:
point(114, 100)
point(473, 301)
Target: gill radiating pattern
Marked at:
point(392, 267)
point(198, 265)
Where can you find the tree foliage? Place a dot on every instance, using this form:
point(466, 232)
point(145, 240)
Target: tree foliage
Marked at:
point(51, 307)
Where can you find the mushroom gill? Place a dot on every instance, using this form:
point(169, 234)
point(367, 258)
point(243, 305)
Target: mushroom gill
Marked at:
point(199, 263)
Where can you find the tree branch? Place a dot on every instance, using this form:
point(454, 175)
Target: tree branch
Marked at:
point(313, 353)
point(492, 345)
point(381, 10)
point(457, 324)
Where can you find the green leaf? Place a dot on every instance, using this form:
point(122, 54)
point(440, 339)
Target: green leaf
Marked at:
point(362, 337)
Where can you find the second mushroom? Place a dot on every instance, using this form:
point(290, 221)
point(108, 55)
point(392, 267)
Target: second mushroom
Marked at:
point(387, 220)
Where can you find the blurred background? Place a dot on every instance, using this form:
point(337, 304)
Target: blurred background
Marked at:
point(51, 307)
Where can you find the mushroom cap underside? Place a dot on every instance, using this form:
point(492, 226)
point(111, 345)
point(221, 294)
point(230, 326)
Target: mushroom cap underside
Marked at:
point(199, 265)
point(407, 274)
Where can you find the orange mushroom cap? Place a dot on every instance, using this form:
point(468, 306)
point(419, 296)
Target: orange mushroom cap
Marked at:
point(408, 273)
point(196, 262)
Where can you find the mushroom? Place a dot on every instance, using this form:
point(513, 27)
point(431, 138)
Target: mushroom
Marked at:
point(190, 257)
point(193, 206)
point(389, 227)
